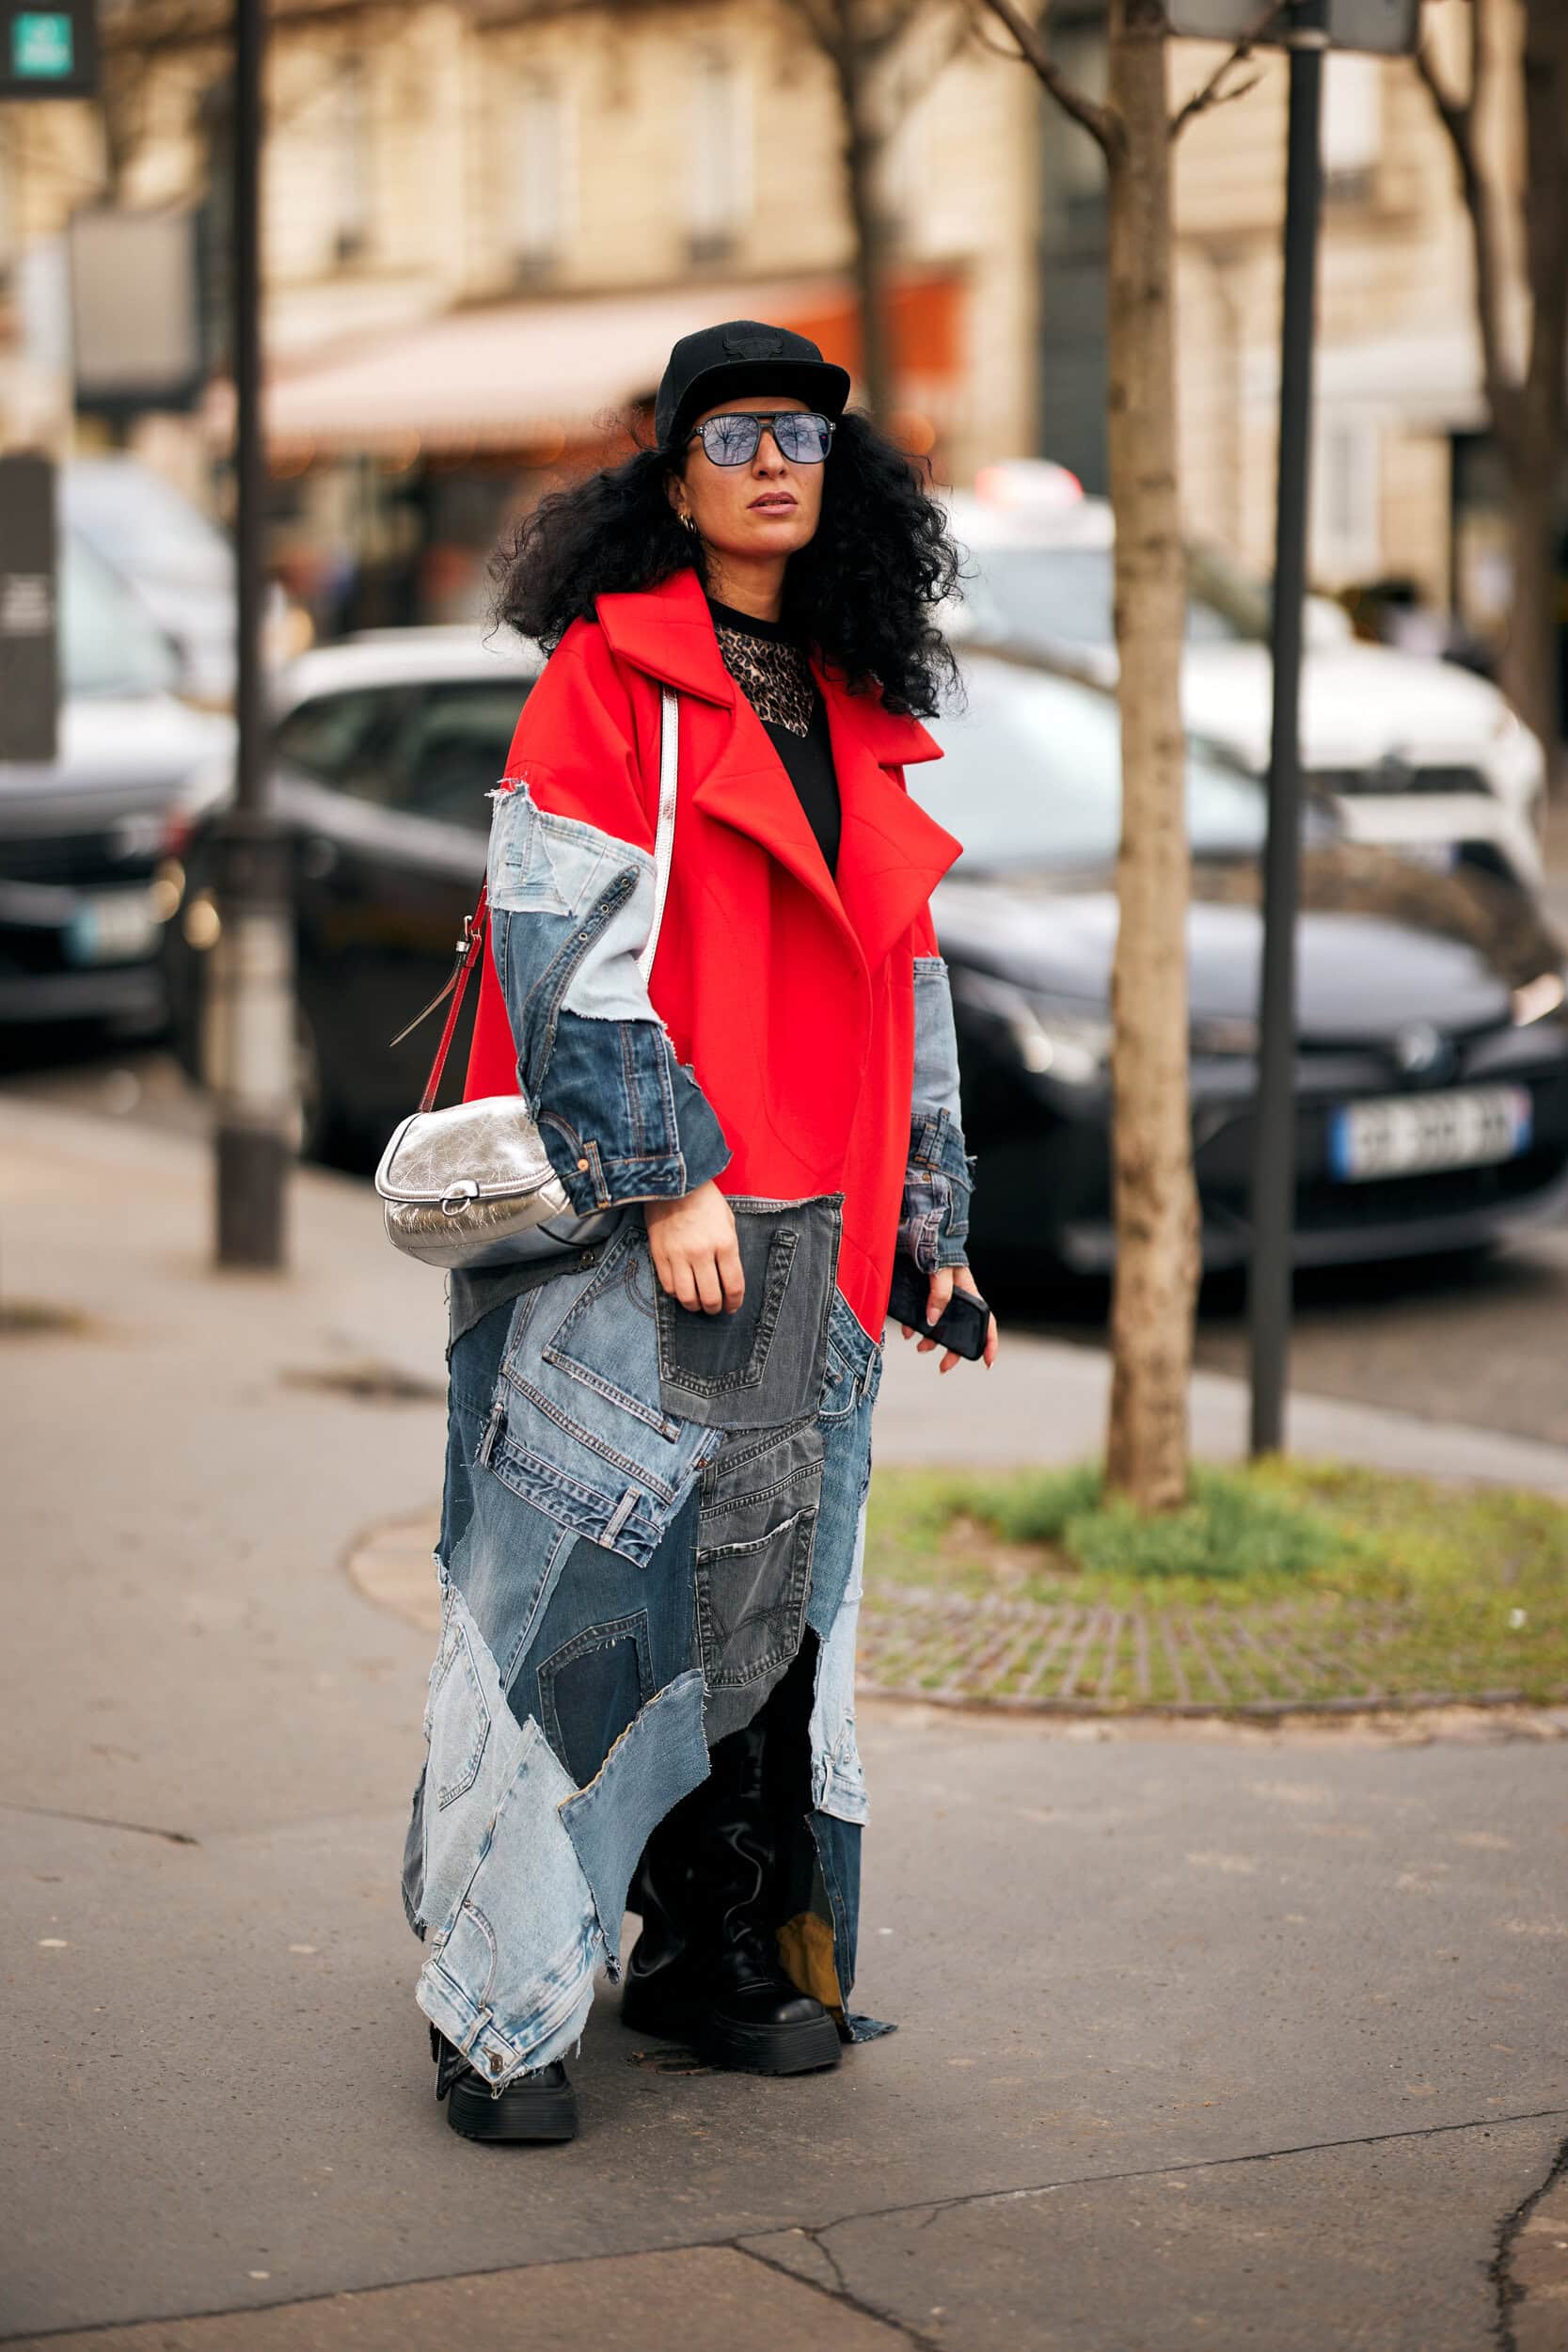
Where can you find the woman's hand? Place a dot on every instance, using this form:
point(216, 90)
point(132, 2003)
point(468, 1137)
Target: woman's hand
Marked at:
point(695, 1253)
point(944, 1281)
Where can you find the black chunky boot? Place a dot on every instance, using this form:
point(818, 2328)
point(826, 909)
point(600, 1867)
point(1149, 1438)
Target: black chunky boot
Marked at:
point(663, 1984)
point(536, 2107)
point(755, 2019)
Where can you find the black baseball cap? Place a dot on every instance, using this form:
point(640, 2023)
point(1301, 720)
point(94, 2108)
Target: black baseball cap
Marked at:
point(743, 356)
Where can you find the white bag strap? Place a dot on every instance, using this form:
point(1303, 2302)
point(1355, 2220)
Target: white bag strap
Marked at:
point(664, 840)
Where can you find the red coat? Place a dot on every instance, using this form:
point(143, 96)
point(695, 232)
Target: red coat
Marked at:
point(789, 991)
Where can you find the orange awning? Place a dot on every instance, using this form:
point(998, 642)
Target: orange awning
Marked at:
point(511, 373)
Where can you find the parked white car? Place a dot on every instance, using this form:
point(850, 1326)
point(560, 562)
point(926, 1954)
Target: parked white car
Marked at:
point(1415, 753)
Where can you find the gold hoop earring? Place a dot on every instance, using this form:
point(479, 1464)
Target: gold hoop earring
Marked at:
point(690, 524)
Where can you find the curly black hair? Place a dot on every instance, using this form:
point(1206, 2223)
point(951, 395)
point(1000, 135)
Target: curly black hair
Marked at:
point(860, 591)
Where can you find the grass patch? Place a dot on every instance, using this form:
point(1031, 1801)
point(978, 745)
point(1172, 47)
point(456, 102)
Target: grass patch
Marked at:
point(1282, 1577)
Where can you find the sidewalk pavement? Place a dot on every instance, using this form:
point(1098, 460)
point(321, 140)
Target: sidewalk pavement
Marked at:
point(1207, 2036)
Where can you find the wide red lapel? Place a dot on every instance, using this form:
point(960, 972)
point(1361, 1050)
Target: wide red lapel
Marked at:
point(890, 853)
point(668, 631)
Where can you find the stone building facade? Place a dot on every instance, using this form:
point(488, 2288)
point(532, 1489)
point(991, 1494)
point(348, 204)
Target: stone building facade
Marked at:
point(486, 222)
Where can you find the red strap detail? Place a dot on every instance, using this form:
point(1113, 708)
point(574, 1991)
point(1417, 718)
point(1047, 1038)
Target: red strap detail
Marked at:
point(460, 981)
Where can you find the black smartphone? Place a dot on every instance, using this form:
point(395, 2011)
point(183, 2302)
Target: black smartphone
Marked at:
point(965, 1321)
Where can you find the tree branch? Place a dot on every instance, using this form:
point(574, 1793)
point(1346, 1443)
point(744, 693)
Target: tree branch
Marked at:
point(1103, 123)
point(1457, 117)
point(1211, 94)
point(916, 87)
point(820, 24)
point(876, 45)
point(1544, 391)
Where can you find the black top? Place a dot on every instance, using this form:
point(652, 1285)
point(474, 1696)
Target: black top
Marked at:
point(771, 669)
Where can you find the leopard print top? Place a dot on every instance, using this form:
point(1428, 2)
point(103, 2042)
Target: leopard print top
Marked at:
point(774, 676)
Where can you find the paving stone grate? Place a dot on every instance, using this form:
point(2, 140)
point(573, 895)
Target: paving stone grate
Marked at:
point(1319, 1652)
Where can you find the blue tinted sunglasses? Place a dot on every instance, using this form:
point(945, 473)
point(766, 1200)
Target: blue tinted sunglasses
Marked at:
point(802, 434)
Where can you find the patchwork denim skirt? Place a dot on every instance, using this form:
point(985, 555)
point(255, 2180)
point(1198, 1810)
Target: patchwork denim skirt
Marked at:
point(649, 1513)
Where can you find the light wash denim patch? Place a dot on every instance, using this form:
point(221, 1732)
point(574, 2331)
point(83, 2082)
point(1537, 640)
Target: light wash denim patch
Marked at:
point(510, 1974)
point(837, 1775)
point(936, 1043)
point(934, 1224)
point(510, 1977)
point(853, 1375)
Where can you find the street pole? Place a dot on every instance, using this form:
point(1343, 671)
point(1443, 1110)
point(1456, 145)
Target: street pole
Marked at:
point(250, 1012)
point(1273, 1157)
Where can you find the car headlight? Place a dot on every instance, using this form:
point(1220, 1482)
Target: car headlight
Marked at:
point(1538, 997)
point(1067, 1041)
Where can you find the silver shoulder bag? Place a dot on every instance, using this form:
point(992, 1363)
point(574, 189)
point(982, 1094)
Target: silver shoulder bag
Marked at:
point(473, 1185)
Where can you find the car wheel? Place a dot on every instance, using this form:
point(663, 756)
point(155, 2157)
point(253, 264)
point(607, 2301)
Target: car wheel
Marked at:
point(322, 1130)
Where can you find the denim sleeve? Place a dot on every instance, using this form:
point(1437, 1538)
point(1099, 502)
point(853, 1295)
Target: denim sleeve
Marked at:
point(934, 1227)
point(570, 908)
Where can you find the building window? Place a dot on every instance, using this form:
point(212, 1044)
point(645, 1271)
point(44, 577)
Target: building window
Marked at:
point(718, 187)
point(352, 163)
point(543, 178)
point(1347, 537)
point(1352, 125)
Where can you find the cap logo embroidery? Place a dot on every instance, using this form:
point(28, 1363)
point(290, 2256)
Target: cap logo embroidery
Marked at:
point(754, 346)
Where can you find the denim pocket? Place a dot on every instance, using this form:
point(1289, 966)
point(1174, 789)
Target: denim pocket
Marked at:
point(762, 1366)
point(755, 1530)
point(840, 1388)
point(591, 1688)
point(458, 1719)
point(578, 1428)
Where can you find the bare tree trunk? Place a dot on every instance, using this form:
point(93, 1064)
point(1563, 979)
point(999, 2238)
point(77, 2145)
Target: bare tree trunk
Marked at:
point(1156, 1203)
point(1527, 667)
point(1529, 413)
point(861, 153)
point(1535, 460)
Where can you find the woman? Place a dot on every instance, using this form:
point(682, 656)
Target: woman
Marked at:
point(659, 1448)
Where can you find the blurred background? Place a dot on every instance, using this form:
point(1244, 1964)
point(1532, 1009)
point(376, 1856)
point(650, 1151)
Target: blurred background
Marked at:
point(483, 226)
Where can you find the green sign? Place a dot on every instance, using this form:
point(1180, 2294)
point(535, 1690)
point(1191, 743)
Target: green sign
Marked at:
point(42, 48)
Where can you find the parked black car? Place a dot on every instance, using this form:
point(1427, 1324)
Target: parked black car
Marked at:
point(1432, 1080)
point(1434, 1057)
point(384, 749)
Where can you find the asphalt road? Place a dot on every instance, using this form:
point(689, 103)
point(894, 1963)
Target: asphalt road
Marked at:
point(1478, 1340)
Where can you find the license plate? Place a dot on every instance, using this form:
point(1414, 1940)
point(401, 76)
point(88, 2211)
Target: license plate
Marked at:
point(1411, 1134)
point(112, 927)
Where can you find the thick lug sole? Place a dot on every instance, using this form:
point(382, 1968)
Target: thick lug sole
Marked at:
point(806, 2047)
point(519, 2115)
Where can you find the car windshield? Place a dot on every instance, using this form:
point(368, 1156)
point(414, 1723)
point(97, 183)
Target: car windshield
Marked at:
point(108, 645)
point(419, 747)
point(1031, 778)
point(1047, 597)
